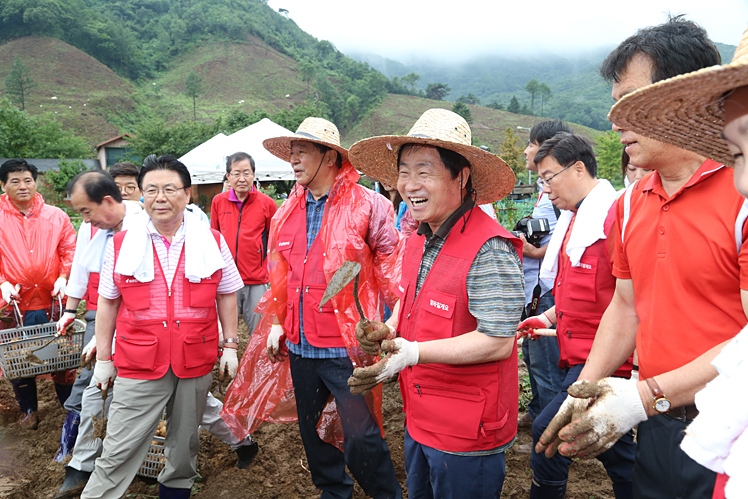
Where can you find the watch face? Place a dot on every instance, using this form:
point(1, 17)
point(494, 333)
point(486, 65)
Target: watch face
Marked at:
point(662, 405)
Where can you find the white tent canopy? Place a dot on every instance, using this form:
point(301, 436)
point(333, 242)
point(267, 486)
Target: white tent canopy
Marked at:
point(207, 162)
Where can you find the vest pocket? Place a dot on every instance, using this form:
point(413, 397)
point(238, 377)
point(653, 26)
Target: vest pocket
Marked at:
point(581, 280)
point(446, 409)
point(135, 295)
point(439, 316)
point(200, 350)
point(202, 294)
point(134, 353)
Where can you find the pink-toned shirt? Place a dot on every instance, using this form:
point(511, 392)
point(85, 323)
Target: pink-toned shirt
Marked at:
point(168, 256)
point(232, 197)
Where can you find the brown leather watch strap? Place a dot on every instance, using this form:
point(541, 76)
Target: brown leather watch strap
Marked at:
point(652, 384)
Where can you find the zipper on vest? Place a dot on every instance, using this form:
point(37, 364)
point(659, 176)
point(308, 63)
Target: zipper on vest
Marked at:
point(170, 292)
point(177, 323)
point(418, 387)
point(482, 431)
point(165, 326)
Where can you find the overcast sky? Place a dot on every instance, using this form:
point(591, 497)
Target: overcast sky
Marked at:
point(463, 29)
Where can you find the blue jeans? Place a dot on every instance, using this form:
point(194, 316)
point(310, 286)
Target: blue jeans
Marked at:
point(618, 460)
point(541, 357)
point(436, 474)
point(366, 452)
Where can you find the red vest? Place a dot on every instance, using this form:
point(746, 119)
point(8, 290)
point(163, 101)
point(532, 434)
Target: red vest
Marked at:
point(455, 408)
point(582, 295)
point(157, 328)
point(92, 291)
point(306, 277)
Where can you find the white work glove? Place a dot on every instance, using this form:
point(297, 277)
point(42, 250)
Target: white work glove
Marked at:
point(527, 326)
point(402, 353)
point(66, 319)
point(277, 349)
point(104, 374)
point(60, 287)
point(369, 341)
point(617, 407)
point(88, 353)
point(9, 291)
point(228, 362)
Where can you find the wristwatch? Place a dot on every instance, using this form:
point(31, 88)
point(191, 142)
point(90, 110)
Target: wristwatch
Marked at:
point(661, 403)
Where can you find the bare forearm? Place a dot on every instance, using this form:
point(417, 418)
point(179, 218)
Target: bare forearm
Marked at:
point(106, 321)
point(227, 314)
point(531, 251)
point(470, 348)
point(614, 342)
point(392, 321)
point(72, 303)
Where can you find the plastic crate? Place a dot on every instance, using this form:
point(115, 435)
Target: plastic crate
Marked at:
point(154, 460)
point(61, 354)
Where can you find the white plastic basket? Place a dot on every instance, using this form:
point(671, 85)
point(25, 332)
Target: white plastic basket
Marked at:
point(61, 354)
point(154, 460)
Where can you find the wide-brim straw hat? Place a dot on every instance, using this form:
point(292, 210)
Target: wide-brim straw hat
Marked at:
point(317, 130)
point(686, 110)
point(377, 156)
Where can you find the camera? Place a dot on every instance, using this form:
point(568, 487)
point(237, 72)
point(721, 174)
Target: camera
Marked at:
point(533, 229)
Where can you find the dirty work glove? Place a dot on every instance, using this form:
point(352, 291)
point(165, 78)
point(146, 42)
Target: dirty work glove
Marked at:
point(60, 287)
point(617, 407)
point(402, 353)
point(526, 327)
point(228, 362)
point(9, 291)
point(277, 349)
point(369, 343)
point(66, 320)
point(571, 410)
point(104, 373)
point(87, 355)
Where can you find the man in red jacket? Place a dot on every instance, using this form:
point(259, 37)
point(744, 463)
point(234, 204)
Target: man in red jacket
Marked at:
point(242, 215)
point(578, 264)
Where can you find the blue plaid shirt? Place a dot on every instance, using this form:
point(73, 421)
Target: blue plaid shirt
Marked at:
point(314, 212)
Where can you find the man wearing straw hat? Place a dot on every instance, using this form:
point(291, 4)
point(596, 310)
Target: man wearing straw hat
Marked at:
point(706, 112)
point(461, 296)
point(327, 219)
point(681, 263)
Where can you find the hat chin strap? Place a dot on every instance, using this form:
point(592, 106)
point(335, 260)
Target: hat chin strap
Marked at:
point(471, 193)
point(306, 187)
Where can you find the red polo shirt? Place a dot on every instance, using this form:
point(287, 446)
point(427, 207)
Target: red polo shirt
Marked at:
point(681, 254)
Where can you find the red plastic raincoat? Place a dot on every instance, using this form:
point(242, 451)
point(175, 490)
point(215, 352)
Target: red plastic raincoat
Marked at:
point(34, 250)
point(263, 391)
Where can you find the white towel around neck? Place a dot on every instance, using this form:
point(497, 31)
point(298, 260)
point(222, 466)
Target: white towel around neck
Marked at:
point(202, 256)
point(92, 258)
point(588, 229)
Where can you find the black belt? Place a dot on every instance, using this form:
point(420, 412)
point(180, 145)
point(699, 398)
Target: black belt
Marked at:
point(684, 414)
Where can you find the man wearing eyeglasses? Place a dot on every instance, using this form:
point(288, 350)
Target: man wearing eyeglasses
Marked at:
point(162, 281)
point(578, 265)
point(242, 215)
point(125, 175)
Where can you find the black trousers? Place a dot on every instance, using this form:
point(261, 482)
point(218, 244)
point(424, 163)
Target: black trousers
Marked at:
point(366, 452)
point(662, 469)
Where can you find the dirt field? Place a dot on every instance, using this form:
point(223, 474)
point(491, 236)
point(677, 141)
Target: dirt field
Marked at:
point(279, 471)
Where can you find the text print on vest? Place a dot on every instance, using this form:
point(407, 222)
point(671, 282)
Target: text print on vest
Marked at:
point(441, 306)
point(586, 266)
point(129, 281)
point(285, 243)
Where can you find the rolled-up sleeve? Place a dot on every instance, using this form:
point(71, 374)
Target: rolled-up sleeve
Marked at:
point(78, 281)
point(495, 287)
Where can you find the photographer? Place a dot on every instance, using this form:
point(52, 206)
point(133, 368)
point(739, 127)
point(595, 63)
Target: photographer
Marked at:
point(578, 263)
point(541, 355)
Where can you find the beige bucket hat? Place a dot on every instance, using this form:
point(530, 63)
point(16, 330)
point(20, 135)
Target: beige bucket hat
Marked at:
point(377, 156)
point(687, 110)
point(317, 130)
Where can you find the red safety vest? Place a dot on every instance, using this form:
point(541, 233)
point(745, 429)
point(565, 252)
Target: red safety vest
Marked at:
point(582, 295)
point(306, 277)
point(157, 328)
point(92, 291)
point(454, 408)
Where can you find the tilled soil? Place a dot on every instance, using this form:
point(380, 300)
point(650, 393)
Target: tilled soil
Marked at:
point(279, 471)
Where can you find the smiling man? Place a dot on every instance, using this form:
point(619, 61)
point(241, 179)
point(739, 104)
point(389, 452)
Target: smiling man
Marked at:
point(162, 282)
point(242, 215)
point(578, 267)
point(682, 271)
point(461, 297)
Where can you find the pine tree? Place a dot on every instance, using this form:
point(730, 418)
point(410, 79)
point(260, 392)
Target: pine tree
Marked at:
point(193, 89)
point(19, 82)
point(513, 106)
point(511, 150)
point(464, 111)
